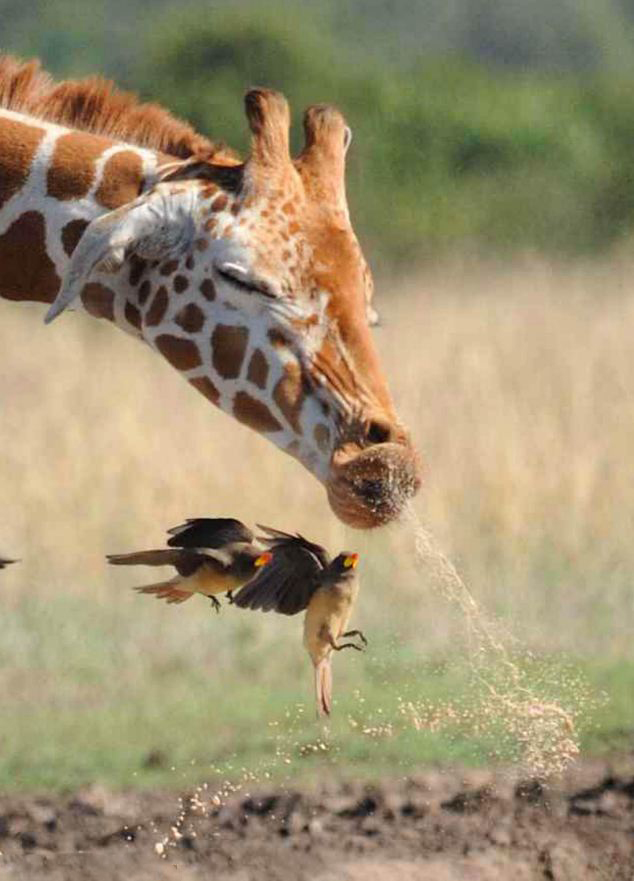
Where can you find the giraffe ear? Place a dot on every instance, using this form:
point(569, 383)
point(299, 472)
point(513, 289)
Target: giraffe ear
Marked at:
point(160, 225)
point(322, 161)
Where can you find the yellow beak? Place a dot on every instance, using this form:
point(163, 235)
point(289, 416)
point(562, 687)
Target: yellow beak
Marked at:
point(263, 559)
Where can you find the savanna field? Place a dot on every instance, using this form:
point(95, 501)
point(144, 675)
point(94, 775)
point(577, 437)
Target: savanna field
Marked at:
point(516, 380)
point(487, 732)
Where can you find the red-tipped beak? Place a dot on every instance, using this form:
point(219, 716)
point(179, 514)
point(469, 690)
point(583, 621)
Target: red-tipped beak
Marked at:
point(263, 559)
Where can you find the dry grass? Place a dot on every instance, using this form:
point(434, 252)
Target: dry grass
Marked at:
point(518, 385)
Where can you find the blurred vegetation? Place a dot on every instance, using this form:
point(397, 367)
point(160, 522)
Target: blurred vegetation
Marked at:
point(480, 125)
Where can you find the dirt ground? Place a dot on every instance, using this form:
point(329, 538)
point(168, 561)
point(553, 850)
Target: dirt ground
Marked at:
point(436, 826)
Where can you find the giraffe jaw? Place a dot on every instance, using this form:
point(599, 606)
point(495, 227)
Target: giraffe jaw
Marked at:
point(371, 487)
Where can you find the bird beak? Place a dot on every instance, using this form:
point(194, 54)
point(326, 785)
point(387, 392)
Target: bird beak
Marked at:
point(351, 561)
point(263, 559)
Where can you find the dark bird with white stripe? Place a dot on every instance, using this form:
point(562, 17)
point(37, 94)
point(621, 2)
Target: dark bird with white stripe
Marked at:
point(301, 576)
point(210, 555)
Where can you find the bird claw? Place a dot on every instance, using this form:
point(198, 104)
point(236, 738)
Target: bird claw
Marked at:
point(358, 633)
point(348, 645)
point(230, 597)
point(215, 604)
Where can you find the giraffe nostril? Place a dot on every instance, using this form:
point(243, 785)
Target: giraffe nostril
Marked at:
point(377, 432)
point(372, 490)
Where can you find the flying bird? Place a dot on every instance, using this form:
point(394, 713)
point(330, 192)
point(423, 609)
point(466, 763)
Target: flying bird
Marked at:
point(210, 555)
point(301, 576)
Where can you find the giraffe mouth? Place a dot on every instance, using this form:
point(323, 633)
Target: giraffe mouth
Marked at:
point(371, 487)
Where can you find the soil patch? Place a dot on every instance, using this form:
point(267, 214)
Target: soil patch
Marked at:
point(436, 826)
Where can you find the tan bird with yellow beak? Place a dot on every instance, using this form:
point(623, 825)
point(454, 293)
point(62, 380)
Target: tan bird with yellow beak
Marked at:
point(210, 555)
point(301, 576)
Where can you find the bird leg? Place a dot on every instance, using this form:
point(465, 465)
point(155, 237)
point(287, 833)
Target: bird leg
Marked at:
point(358, 633)
point(343, 645)
point(215, 604)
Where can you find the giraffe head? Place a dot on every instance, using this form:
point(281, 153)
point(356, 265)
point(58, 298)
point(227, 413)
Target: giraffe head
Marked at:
point(249, 279)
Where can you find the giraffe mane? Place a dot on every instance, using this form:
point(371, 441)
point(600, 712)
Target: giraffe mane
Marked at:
point(95, 105)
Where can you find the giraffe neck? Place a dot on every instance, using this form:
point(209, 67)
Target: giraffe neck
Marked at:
point(53, 182)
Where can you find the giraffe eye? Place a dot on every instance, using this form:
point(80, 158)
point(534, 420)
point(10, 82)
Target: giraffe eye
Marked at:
point(239, 277)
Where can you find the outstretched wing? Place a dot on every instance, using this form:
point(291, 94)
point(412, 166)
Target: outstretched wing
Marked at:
point(287, 583)
point(209, 532)
point(276, 538)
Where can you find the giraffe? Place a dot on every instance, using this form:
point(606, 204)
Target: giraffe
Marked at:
point(245, 275)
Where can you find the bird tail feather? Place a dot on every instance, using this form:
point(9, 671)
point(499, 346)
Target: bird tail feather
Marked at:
point(323, 686)
point(161, 557)
point(166, 590)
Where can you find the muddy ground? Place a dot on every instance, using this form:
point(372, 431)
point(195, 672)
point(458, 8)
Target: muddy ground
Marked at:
point(436, 826)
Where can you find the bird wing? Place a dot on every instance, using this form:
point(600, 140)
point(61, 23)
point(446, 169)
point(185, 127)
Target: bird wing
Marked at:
point(209, 532)
point(287, 583)
point(275, 538)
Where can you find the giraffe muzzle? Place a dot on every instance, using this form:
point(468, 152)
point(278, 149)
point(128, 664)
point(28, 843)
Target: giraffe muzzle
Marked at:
point(370, 487)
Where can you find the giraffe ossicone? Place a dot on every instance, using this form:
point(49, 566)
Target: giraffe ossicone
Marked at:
point(245, 275)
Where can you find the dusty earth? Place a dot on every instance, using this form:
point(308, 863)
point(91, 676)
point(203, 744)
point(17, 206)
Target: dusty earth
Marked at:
point(436, 826)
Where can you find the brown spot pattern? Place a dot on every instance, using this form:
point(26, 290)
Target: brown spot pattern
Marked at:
point(181, 283)
point(191, 318)
point(289, 394)
point(219, 203)
point(206, 386)
point(72, 233)
point(228, 346)
point(158, 308)
point(121, 179)
point(28, 273)
point(18, 143)
point(144, 291)
point(181, 353)
point(98, 300)
point(277, 338)
point(254, 413)
point(258, 372)
point(322, 437)
point(72, 170)
point(137, 268)
point(169, 267)
point(132, 315)
point(208, 289)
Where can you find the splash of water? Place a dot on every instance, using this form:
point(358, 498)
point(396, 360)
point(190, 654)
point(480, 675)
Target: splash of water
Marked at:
point(544, 731)
point(538, 730)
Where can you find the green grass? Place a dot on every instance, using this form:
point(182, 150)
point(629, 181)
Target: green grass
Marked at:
point(81, 704)
point(516, 387)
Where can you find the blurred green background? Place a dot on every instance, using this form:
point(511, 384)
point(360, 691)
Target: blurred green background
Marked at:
point(480, 128)
point(478, 124)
